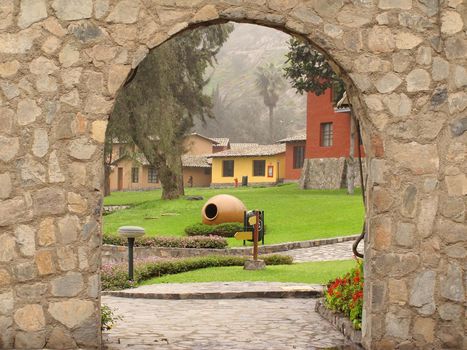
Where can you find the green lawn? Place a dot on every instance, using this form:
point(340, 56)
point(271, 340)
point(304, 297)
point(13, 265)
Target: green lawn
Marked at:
point(291, 214)
point(310, 272)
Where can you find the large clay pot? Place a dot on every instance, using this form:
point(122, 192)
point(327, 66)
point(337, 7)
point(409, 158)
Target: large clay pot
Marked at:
point(223, 208)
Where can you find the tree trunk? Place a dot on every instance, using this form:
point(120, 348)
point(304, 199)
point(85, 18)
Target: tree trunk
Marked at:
point(351, 159)
point(172, 187)
point(106, 180)
point(271, 124)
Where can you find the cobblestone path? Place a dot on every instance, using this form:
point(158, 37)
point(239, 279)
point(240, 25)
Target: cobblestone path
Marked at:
point(235, 324)
point(337, 251)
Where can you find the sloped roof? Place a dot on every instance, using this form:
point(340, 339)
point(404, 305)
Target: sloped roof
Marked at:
point(139, 157)
point(300, 137)
point(191, 161)
point(187, 160)
point(242, 145)
point(251, 151)
point(213, 140)
point(221, 141)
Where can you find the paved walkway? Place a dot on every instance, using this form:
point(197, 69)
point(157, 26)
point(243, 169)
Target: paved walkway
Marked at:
point(338, 251)
point(277, 323)
point(237, 324)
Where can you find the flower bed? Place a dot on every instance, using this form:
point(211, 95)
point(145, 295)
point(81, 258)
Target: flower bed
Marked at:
point(346, 295)
point(115, 276)
point(212, 242)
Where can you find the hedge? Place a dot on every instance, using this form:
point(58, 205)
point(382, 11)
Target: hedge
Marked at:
point(115, 276)
point(223, 230)
point(212, 242)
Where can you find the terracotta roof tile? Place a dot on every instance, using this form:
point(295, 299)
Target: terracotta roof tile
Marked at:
point(251, 151)
point(300, 137)
point(191, 161)
point(221, 141)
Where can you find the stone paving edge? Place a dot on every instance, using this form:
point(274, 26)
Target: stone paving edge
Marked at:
point(340, 322)
point(316, 292)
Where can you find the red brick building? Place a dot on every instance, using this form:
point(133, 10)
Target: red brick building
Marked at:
point(295, 147)
point(327, 128)
point(319, 158)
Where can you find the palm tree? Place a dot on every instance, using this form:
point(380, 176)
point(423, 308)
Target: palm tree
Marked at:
point(270, 83)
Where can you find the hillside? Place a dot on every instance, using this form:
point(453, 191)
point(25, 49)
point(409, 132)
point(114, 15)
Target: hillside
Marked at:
point(233, 80)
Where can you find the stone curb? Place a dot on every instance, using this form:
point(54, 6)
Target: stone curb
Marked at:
point(115, 254)
point(280, 247)
point(340, 322)
point(315, 292)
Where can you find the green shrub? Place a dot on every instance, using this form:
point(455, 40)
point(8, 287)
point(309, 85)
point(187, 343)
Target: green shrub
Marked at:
point(223, 230)
point(211, 242)
point(199, 230)
point(276, 259)
point(228, 229)
point(108, 318)
point(345, 295)
point(115, 276)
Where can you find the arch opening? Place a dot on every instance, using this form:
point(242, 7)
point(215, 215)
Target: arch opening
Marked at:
point(211, 210)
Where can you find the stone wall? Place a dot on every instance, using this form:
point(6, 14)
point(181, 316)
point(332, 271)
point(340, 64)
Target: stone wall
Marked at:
point(113, 254)
point(328, 173)
point(62, 63)
point(322, 173)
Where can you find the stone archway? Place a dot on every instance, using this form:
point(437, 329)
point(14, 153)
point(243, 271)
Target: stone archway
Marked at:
point(62, 62)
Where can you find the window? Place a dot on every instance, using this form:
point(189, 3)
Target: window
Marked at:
point(259, 167)
point(207, 171)
point(135, 175)
point(121, 151)
point(152, 175)
point(326, 135)
point(298, 157)
point(227, 168)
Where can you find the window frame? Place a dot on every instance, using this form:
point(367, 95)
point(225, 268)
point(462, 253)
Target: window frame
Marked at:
point(298, 161)
point(225, 169)
point(262, 166)
point(134, 175)
point(121, 151)
point(326, 134)
point(152, 175)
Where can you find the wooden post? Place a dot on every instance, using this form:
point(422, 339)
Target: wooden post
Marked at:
point(255, 237)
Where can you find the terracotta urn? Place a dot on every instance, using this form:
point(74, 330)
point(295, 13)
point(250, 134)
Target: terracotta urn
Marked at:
point(223, 208)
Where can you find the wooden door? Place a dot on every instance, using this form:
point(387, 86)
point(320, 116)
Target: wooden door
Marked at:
point(120, 179)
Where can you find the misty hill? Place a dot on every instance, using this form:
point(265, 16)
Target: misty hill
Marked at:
point(240, 112)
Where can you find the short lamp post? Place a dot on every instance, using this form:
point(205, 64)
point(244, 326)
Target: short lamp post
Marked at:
point(131, 232)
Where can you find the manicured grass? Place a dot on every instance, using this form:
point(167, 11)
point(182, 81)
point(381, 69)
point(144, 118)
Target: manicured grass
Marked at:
point(310, 272)
point(291, 214)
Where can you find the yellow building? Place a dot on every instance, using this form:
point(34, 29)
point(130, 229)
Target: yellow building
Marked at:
point(263, 164)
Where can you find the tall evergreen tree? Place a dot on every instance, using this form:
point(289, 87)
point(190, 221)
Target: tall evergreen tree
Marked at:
point(157, 108)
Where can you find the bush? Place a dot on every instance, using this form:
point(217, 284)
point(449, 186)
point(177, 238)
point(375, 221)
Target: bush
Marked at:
point(108, 318)
point(211, 242)
point(276, 259)
point(223, 230)
point(346, 295)
point(115, 276)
